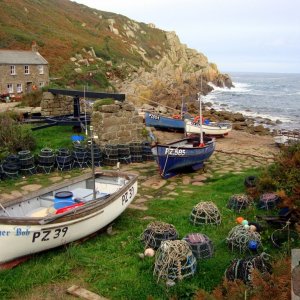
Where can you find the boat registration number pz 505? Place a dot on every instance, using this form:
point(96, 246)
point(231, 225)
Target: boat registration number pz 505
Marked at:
point(46, 235)
point(155, 117)
point(178, 152)
point(127, 195)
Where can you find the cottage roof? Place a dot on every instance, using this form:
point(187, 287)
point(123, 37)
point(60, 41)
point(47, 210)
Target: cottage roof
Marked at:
point(20, 57)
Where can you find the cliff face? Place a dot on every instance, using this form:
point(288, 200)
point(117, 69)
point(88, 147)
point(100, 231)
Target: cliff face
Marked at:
point(181, 73)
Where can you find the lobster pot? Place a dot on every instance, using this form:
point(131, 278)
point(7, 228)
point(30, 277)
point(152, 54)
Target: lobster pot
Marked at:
point(205, 213)
point(80, 157)
point(98, 157)
point(64, 160)
point(268, 201)
point(241, 238)
point(157, 232)
point(11, 166)
point(283, 236)
point(147, 153)
point(202, 247)
point(250, 181)
point(242, 268)
point(27, 165)
point(136, 151)
point(174, 260)
point(111, 155)
point(238, 202)
point(46, 160)
point(124, 154)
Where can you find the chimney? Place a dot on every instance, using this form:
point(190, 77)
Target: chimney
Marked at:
point(34, 46)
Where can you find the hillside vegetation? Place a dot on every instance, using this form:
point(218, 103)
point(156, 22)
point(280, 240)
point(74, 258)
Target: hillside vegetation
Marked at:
point(107, 51)
point(61, 29)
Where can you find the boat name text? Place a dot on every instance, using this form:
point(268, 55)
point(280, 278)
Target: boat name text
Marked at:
point(175, 151)
point(127, 195)
point(18, 231)
point(46, 235)
point(155, 117)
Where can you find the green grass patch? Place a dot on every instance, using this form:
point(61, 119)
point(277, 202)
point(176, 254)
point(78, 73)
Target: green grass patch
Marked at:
point(111, 265)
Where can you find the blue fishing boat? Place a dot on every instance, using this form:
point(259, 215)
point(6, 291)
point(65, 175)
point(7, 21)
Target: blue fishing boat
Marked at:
point(162, 122)
point(182, 155)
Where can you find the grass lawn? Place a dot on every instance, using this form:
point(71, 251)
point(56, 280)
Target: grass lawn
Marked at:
point(109, 264)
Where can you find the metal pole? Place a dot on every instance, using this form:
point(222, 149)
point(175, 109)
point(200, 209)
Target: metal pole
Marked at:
point(200, 120)
point(86, 129)
point(93, 163)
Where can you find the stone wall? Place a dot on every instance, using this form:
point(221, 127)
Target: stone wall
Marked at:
point(57, 105)
point(117, 123)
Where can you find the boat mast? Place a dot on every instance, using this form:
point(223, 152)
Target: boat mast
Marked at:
point(93, 163)
point(200, 112)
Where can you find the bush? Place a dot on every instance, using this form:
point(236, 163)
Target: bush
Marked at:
point(13, 136)
point(284, 174)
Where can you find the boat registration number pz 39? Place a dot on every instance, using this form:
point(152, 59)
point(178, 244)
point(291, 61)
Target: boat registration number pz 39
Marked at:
point(128, 195)
point(176, 151)
point(46, 235)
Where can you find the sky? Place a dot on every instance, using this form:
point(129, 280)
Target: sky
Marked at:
point(237, 35)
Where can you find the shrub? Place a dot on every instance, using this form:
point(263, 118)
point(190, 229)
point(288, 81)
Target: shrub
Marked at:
point(13, 136)
point(284, 174)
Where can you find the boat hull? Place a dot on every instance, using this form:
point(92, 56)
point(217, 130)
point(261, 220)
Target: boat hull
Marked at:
point(161, 122)
point(215, 129)
point(173, 159)
point(22, 238)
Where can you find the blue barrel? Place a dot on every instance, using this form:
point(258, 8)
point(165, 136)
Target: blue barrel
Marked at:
point(63, 199)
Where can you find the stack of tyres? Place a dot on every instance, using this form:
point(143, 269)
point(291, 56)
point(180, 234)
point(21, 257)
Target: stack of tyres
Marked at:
point(64, 160)
point(111, 155)
point(97, 154)
point(11, 166)
point(80, 155)
point(45, 160)
point(147, 153)
point(124, 154)
point(27, 165)
point(2, 175)
point(136, 151)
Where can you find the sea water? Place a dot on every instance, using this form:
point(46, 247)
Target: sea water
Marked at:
point(261, 95)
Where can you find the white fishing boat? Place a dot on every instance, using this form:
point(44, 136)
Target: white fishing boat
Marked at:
point(63, 213)
point(209, 128)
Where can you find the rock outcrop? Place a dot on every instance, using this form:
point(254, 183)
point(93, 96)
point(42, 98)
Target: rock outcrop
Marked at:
point(181, 72)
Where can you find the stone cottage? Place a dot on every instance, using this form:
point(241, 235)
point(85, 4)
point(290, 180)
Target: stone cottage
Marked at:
point(22, 71)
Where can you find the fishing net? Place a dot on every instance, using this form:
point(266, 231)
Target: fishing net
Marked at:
point(205, 213)
point(174, 260)
point(156, 232)
point(242, 238)
point(268, 201)
point(285, 236)
point(242, 268)
point(238, 202)
point(202, 247)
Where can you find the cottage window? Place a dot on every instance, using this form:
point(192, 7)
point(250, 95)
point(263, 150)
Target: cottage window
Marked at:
point(26, 69)
point(41, 69)
point(41, 83)
point(10, 88)
point(12, 70)
point(19, 88)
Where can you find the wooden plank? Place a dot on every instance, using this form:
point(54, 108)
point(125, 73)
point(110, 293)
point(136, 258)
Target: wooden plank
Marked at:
point(83, 293)
point(94, 95)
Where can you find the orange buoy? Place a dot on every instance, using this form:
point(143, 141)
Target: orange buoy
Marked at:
point(239, 220)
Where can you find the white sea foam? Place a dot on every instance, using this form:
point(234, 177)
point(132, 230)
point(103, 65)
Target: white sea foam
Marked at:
point(239, 87)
